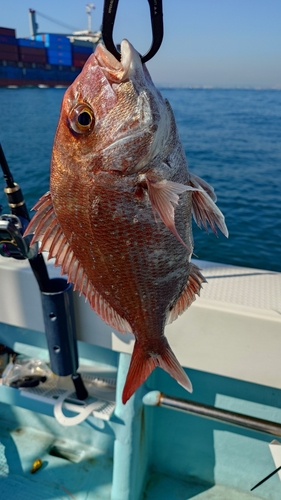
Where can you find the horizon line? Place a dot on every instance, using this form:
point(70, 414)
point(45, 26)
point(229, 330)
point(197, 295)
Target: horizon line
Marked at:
point(215, 87)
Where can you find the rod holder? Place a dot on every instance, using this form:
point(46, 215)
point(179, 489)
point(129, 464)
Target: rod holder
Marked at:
point(58, 313)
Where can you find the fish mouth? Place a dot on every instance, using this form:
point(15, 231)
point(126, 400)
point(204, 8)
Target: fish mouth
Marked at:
point(119, 71)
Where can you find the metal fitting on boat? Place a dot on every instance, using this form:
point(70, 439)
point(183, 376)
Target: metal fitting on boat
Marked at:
point(157, 398)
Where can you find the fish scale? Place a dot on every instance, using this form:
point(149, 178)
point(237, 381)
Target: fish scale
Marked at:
point(117, 218)
point(143, 236)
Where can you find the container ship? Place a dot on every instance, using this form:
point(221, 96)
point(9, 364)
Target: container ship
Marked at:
point(43, 60)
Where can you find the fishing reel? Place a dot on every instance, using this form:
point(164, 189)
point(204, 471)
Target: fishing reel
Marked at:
point(12, 242)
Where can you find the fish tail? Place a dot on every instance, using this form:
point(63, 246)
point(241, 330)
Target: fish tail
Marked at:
point(144, 362)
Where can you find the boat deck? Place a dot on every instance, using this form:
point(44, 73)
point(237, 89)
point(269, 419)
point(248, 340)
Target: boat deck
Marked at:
point(163, 487)
point(82, 473)
point(229, 342)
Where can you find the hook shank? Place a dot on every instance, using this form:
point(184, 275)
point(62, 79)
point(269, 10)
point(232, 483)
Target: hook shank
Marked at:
point(156, 16)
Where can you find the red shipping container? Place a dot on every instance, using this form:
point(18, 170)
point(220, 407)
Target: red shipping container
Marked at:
point(7, 32)
point(79, 61)
point(32, 51)
point(80, 57)
point(4, 56)
point(9, 49)
point(31, 58)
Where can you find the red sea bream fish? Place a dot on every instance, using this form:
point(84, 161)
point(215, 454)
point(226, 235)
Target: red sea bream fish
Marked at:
point(117, 218)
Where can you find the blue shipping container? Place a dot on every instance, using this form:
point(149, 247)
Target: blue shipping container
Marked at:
point(23, 42)
point(56, 40)
point(32, 73)
point(77, 49)
point(58, 53)
point(10, 72)
point(59, 57)
point(60, 61)
point(60, 48)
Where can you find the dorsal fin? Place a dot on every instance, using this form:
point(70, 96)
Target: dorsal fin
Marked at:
point(199, 183)
point(188, 295)
point(46, 229)
point(204, 209)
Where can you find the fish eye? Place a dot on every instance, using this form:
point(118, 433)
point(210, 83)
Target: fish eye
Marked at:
point(81, 119)
point(84, 119)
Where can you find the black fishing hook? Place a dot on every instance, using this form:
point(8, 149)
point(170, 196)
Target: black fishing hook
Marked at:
point(156, 15)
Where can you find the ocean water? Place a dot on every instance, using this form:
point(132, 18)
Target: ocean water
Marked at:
point(232, 139)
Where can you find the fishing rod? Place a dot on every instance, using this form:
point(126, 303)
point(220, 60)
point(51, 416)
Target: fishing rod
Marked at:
point(12, 227)
point(56, 294)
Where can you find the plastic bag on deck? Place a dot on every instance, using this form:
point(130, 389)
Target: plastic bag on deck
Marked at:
point(25, 367)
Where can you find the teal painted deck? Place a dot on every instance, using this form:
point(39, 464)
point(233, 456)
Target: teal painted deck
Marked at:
point(72, 468)
point(84, 473)
point(167, 488)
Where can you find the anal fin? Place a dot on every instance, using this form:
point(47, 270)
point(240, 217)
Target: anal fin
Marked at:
point(188, 295)
point(204, 209)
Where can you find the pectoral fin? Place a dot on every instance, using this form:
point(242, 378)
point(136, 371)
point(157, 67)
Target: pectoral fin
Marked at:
point(204, 209)
point(162, 195)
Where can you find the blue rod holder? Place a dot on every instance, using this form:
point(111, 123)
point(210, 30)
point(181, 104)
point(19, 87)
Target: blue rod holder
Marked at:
point(58, 313)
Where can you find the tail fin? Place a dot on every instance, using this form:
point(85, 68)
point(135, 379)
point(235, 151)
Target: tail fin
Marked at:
point(143, 363)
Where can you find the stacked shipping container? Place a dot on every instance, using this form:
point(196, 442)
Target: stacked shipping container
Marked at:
point(8, 45)
point(50, 60)
point(31, 51)
point(58, 49)
point(47, 48)
point(81, 50)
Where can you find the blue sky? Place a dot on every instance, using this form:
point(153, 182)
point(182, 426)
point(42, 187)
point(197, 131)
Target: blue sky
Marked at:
point(223, 43)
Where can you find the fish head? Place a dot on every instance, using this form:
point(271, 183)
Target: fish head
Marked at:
point(112, 117)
